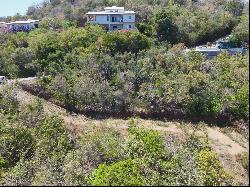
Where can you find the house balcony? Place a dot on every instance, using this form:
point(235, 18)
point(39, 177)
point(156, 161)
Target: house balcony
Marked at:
point(115, 19)
point(113, 27)
point(117, 22)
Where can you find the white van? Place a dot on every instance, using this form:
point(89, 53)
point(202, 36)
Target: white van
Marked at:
point(2, 79)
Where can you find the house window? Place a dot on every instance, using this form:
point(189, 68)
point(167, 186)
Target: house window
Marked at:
point(129, 26)
point(129, 17)
point(114, 19)
point(107, 17)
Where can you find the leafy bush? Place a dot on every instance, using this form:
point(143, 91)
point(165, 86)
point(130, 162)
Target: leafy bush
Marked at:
point(244, 160)
point(32, 115)
point(146, 144)
point(48, 172)
point(130, 41)
point(22, 57)
point(211, 170)
point(123, 173)
point(53, 139)
point(93, 148)
point(166, 29)
point(15, 143)
point(240, 34)
point(20, 175)
point(241, 102)
point(154, 81)
point(8, 100)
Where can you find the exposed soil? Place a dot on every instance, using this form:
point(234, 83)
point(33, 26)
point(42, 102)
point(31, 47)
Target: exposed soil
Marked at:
point(223, 143)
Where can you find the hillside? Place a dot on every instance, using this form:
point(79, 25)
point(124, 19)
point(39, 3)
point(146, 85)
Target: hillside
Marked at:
point(175, 21)
point(125, 107)
point(225, 147)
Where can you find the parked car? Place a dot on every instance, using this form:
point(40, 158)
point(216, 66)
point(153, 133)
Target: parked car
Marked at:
point(2, 79)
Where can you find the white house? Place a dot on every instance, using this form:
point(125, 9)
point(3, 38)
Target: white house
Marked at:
point(22, 25)
point(113, 18)
point(2, 26)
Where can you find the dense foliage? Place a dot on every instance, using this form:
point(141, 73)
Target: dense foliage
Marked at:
point(88, 69)
point(119, 72)
point(187, 21)
point(241, 32)
point(44, 152)
point(143, 71)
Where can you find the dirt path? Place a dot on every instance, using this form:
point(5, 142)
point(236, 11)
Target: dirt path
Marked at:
point(223, 143)
point(227, 145)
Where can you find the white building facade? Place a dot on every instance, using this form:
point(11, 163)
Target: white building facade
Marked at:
point(113, 18)
point(23, 26)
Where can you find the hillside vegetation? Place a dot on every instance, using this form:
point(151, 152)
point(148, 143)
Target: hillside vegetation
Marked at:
point(126, 72)
point(85, 69)
point(36, 149)
point(173, 21)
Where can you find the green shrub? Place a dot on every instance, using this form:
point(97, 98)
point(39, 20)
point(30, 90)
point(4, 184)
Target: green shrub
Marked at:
point(210, 169)
point(197, 143)
point(32, 115)
point(19, 175)
point(102, 145)
point(76, 167)
point(240, 34)
point(131, 41)
point(8, 100)
point(147, 144)
point(22, 58)
point(241, 102)
point(48, 172)
point(123, 173)
point(96, 146)
point(244, 160)
point(53, 139)
point(16, 143)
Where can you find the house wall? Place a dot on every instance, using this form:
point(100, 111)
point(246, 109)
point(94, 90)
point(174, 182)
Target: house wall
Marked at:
point(126, 18)
point(126, 26)
point(100, 19)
